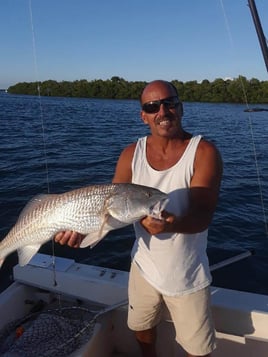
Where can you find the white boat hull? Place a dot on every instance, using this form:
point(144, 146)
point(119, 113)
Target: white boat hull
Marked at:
point(241, 319)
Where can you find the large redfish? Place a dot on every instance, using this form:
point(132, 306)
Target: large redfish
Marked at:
point(93, 210)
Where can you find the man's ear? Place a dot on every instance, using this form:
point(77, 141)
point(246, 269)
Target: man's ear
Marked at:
point(143, 117)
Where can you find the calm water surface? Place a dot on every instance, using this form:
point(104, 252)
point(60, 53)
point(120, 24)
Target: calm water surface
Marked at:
point(79, 140)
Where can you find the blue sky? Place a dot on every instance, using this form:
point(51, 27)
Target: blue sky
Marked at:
point(133, 39)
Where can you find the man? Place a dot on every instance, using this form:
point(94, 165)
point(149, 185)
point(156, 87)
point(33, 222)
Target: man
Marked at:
point(169, 261)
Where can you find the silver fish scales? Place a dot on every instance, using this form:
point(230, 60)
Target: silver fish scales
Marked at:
point(93, 211)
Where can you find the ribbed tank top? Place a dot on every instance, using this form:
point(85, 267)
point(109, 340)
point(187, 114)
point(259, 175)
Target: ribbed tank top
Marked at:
point(175, 264)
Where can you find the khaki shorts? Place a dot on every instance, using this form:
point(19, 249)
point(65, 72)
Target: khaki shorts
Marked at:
point(190, 313)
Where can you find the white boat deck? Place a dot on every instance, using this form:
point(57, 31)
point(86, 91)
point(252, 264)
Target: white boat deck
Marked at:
point(241, 318)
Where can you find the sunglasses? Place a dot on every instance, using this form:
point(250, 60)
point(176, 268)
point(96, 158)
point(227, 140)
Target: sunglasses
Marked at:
point(154, 106)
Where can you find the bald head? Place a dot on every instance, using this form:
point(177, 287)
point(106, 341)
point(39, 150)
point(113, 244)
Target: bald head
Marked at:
point(158, 89)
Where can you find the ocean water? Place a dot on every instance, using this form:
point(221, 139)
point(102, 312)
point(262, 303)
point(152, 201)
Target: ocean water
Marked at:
point(53, 145)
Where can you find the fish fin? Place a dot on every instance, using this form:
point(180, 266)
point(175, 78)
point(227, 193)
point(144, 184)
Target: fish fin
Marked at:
point(35, 202)
point(92, 239)
point(26, 253)
point(109, 223)
point(102, 228)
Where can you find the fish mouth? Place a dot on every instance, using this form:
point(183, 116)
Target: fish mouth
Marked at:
point(157, 208)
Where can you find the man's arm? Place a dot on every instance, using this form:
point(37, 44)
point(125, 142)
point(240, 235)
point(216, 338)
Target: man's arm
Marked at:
point(204, 191)
point(123, 171)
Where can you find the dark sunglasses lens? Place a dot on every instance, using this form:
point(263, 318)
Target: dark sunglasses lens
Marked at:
point(151, 107)
point(154, 107)
point(170, 104)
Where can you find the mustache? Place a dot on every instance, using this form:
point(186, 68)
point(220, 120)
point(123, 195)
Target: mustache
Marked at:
point(161, 118)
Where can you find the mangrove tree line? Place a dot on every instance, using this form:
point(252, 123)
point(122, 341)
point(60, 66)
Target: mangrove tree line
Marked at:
point(238, 90)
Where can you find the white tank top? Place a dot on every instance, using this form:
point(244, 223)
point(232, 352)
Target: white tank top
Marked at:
point(175, 264)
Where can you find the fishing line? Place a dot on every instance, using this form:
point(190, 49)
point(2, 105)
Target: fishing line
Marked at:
point(231, 40)
point(250, 122)
point(42, 124)
point(39, 95)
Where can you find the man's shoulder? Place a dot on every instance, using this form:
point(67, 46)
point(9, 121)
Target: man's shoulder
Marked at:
point(128, 151)
point(206, 144)
point(130, 148)
point(207, 149)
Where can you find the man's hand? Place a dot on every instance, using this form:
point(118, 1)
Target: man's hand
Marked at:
point(72, 239)
point(155, 226)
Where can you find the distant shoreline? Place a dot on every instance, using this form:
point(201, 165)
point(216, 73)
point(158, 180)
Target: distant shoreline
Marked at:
point(238, 90)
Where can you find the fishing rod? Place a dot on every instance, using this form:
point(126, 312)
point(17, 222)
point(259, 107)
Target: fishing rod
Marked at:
point(259, 30)
point(264, 48)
